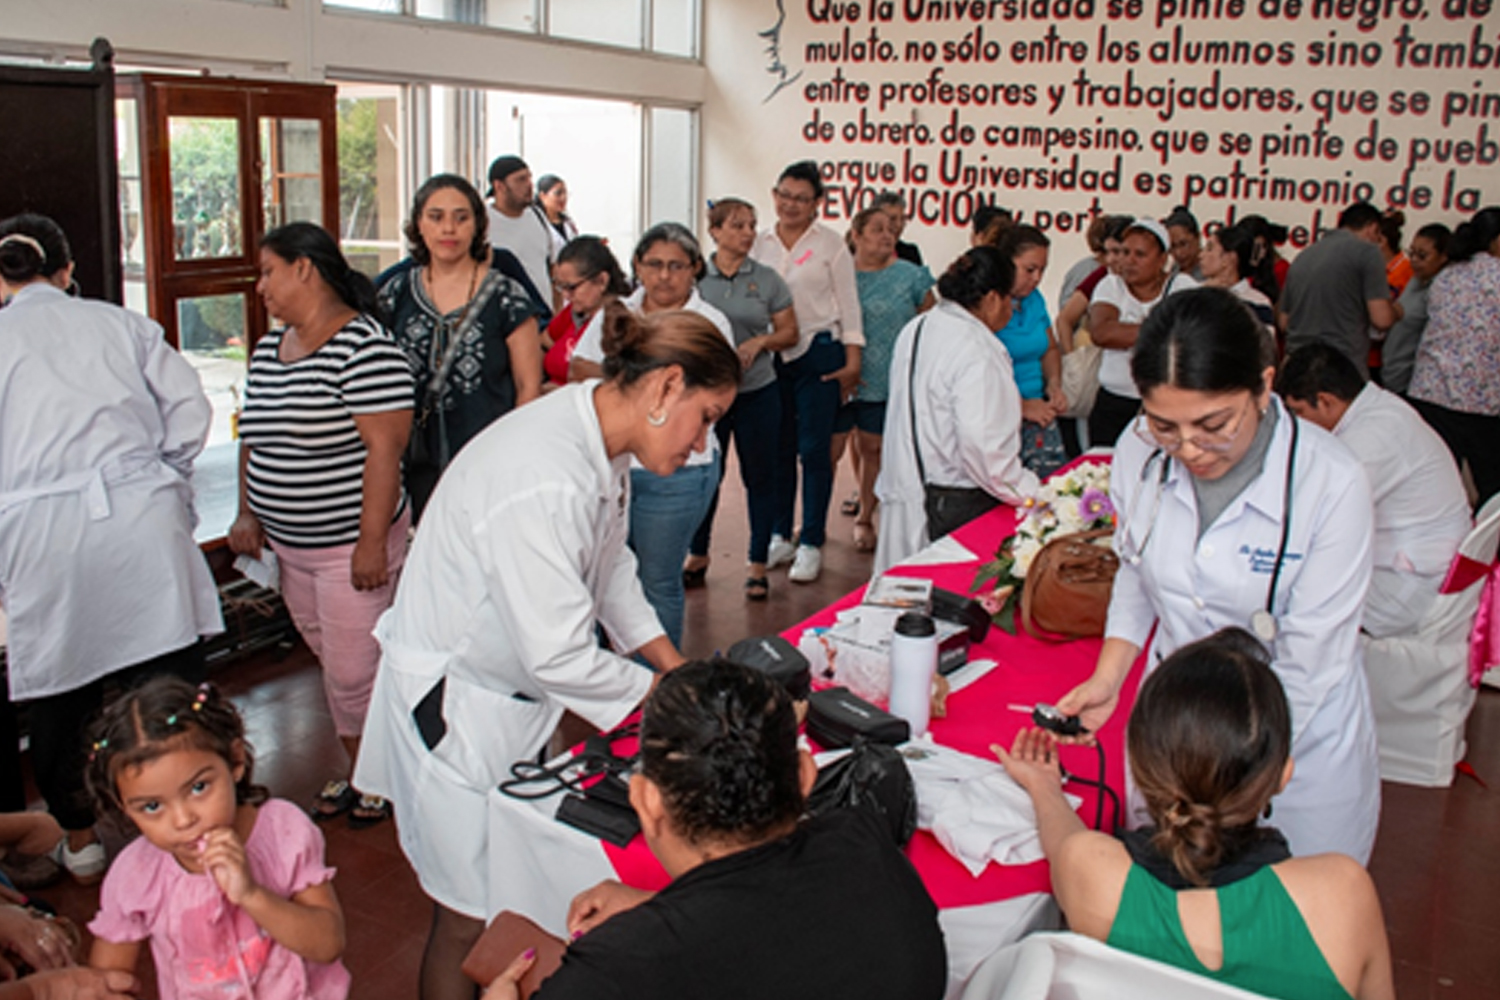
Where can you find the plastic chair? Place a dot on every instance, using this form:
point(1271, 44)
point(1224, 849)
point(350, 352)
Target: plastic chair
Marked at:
point(1068, 966)
point(1419, 682)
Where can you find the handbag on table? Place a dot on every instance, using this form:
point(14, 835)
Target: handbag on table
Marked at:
point(1068, 587)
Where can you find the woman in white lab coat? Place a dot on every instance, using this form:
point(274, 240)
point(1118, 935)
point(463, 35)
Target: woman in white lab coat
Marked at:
point(100, 420)
point(492, 635)
point(962, 395)
point(1233, 512)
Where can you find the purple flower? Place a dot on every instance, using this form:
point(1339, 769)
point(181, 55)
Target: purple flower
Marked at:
point(1094, 505)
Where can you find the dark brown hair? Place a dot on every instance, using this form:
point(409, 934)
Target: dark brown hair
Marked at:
point(1208, 740)
point(722, 210)
point(479, 246)
point(635, 345)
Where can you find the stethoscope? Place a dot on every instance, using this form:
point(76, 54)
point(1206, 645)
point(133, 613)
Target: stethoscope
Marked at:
point(1263, 621)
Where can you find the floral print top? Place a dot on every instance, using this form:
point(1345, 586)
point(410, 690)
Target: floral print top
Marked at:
point(1458, 361)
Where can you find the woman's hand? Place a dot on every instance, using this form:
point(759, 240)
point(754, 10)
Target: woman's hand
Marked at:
point(82, 984)
point(1058, 399)
point(1093, 702)
point(1038, 411)
point(750, 350)
point(368, 568)
point(507, 985)
point(848, 380)
point(1032, 760)
point(246, 536)
point(592, 907)
point(223, 856)
point(38, 942)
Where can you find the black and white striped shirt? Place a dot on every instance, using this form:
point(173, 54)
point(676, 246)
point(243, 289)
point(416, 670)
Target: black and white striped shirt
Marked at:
point(307, 460)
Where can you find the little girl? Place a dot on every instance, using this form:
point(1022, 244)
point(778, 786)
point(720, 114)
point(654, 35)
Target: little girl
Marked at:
point(229, 885)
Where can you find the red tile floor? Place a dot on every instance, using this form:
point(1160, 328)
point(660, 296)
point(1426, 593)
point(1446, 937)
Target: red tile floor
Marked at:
point(1436, 863)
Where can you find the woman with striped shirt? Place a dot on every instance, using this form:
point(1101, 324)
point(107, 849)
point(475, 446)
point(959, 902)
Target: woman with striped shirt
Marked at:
point(328, 408)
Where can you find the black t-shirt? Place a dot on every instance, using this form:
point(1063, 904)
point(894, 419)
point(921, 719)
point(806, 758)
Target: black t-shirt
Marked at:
point(834, 910)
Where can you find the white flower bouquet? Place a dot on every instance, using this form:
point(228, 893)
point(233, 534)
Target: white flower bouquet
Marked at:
point(1067, 504)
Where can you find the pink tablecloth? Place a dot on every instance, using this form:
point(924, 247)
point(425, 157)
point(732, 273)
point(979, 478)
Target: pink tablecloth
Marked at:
point(1029, 671)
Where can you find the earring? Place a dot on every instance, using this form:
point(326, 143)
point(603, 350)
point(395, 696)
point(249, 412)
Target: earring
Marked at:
point(1267, 813)
point(656, 418)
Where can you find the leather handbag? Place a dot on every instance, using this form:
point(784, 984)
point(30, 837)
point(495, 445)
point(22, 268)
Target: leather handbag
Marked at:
point(1067, 590)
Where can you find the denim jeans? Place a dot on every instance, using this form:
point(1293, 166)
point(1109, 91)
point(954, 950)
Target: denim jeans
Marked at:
point(664, 510)
point(754, 421)
point(808, 408)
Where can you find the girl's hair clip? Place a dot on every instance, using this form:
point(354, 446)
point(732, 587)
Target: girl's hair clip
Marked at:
point(204, 690)
point(172, 719)
point(98, 745)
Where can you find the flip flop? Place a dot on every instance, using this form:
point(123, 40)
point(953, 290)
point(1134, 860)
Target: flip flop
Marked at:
point(850, 507)
point(757, 588)
point(694, 578)
point(372, 809)
point(336, 798)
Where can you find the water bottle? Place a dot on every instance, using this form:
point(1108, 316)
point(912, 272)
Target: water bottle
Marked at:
point(914, 656)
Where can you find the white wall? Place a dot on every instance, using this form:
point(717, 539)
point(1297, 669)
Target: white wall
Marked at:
point(751, 130)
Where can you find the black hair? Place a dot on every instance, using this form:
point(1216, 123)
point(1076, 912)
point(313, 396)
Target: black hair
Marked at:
point(1208, 741)
point(1263, 228)
point(805, 170)
point(676, 234)
point(1182, 218)
point(164, 715)
point(591, 257)
point(1439, 235)
point(720, 741)
point(1391, 224)
point(1115, 228)
point(1241, 242)
point(637, 345)
point(1316, 368)
point(988, 215)
point(1020, 238)
point(1202, 339)
point(20, 262)
point(296, 240)
point(974, 274)
point(1359, 215)
point(547, 182)
point(889, 199)
point(1474, 237)
point(479, 246)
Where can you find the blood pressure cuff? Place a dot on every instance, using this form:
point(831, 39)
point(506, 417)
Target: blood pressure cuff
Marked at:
point(836, 717)
point(777, 659)
point(603, 811)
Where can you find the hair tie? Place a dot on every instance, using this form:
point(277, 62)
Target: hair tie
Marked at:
point(22, 238)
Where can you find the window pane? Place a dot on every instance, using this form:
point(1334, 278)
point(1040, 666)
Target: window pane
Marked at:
point(205, 164)
point(369, 122)
point(291, 172)
point(516, 15)
point(211, 335)
point(128, 157)
point(609, 22)
point(379, 6)
point(674, 27)
point(673, 171)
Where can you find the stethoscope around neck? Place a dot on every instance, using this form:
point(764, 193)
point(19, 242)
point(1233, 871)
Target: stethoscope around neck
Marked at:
point(1263, 621)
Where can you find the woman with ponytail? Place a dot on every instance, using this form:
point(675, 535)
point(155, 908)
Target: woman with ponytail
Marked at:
point(520, 561)
point(100, 578)
point(1206, 886)
point(1456, 382)
point(327, 413)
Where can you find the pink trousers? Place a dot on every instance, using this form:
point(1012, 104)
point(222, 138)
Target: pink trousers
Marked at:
point(338, 622)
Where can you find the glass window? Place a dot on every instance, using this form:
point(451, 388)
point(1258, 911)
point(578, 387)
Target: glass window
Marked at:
point(674, 27)
point(370, 199)
point(211, 335)
point(608, 22)
point(378, 6)
point(132, 228)
point(516, 15)
point(205, 165)
point(674, 157)
point(291, 171)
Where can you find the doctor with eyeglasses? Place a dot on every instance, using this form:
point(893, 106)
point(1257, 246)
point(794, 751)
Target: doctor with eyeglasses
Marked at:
point(1234, 513)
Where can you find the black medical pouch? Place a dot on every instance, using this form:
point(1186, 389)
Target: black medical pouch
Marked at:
point(777, 659)
point(603, 811)
point(952, 607)
point(836, 716)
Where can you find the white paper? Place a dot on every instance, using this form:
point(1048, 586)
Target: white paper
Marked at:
point(264, 572)
point(941, 552)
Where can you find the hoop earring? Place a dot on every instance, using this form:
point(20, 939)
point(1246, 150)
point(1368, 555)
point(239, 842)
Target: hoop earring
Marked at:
point(656, 419)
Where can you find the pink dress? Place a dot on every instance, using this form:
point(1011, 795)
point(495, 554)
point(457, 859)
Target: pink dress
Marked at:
point(203, 946)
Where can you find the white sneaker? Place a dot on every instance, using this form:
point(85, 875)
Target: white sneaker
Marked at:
point(780, 553)
point(86, 865)
point(807, 565)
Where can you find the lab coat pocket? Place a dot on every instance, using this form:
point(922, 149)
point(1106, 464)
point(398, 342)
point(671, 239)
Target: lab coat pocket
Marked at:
point(490, 730)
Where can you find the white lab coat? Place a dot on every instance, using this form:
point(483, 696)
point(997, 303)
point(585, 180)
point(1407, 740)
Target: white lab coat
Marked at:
point(1421, 510)
point(1193, 588)
point(521, 550)
point(969, 417)
point(100, 420)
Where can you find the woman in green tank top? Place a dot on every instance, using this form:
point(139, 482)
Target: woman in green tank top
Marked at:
point(1207, 888)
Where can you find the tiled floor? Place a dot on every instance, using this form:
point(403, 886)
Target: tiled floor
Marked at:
point(1436, 863)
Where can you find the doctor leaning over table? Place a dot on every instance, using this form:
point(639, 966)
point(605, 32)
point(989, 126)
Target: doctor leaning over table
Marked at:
point(1233, 512)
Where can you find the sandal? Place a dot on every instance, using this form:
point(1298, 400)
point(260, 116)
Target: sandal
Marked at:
point(336, 798)
point(864, 537)
point(372, 809)
point(757, 588)
point(694, 578)
point(850, 507)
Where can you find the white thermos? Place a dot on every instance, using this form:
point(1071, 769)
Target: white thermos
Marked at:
point(914, 656)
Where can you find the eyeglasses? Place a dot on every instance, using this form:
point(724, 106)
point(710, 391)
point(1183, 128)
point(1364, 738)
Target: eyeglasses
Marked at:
point(670, 266)
point(569, 287)
point(1171, 441)
point(795, 199)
